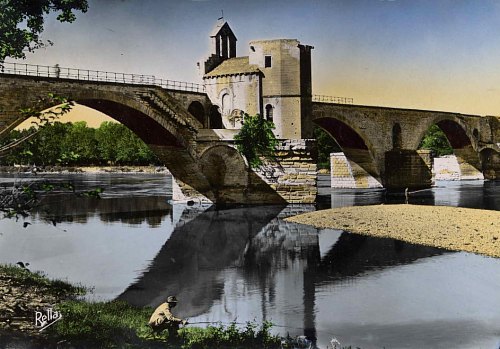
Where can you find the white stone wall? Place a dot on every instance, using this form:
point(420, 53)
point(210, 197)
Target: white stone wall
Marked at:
point(281, 83)
point(243, 93)
point(347, 174)
point(447, 168)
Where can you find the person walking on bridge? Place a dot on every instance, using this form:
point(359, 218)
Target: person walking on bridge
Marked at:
point(163, 319)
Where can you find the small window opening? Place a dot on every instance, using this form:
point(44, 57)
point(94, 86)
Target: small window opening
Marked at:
point(269, 112)
point(397, 140)
point(267, 61)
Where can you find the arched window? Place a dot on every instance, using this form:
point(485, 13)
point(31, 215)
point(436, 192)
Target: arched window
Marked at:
point(397, 141)
point(269, 112)
point(226, 108)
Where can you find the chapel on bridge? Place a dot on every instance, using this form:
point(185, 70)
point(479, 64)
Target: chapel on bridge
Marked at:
point(274, 80)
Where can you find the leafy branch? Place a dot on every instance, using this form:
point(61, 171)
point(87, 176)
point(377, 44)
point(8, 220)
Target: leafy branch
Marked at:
point(22, 21)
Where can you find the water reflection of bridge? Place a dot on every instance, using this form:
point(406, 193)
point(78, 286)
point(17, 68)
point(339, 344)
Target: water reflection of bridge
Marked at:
point(244, 262)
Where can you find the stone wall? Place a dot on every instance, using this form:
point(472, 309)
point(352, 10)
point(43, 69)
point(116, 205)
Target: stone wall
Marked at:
point(293, 173)
point(234, 94)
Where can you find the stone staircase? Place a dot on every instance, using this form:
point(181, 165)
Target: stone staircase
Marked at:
point(162, 102)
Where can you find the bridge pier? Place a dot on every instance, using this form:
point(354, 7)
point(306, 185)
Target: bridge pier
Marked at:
point(490, 160)
point(469, 163)
point(290, 177)
point(406, 168)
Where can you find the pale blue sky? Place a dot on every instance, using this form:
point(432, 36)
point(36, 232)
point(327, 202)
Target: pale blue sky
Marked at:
point(435, 54)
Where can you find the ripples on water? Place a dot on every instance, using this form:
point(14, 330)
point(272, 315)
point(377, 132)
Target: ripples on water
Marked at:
point(247, 263)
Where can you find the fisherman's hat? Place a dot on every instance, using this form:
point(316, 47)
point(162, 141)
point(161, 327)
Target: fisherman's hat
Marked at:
point(171, 299)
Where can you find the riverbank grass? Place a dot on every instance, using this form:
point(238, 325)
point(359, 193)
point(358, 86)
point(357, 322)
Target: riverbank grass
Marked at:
point(104, 324)
point(23, 276)
point(118, 324)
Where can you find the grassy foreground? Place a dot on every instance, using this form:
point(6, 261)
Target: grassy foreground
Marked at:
point(112, 324)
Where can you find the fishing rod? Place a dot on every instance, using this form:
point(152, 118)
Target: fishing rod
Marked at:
point(245, 323)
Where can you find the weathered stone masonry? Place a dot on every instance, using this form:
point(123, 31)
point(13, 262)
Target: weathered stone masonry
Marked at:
point(290, 177)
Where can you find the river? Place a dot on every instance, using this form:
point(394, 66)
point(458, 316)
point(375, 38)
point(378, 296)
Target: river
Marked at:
point(246, 263)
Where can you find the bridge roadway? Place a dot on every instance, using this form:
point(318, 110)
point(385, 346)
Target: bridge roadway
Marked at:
point(173, 118)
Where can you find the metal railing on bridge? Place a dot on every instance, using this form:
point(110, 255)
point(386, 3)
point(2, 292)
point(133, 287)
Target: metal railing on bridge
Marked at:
point(332, 99)
point(96, 75)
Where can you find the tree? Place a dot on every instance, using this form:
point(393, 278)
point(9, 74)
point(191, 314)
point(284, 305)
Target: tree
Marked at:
point(436, 140)
point(15, 40)
point(256, 139)
point(79, 145)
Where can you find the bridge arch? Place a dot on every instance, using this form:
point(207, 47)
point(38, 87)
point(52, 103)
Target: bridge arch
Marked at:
point(164, 126)
point(456, 131)
point(353, 142)
point(462, 140)
point(224, 167)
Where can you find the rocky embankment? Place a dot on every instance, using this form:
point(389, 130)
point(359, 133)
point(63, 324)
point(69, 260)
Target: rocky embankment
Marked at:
point(22, 293)
point(452, 228)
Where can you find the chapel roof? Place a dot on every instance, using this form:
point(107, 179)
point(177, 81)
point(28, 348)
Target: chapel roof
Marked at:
point(234, 66)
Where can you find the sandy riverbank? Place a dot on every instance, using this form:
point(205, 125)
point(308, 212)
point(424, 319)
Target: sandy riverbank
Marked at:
point(452, 228)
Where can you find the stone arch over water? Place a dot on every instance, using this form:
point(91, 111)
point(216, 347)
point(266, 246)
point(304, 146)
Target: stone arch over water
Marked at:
point(464, 145)
point(352, 142)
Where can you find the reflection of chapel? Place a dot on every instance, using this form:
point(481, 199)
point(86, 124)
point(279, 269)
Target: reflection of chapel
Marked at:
point(274, 80)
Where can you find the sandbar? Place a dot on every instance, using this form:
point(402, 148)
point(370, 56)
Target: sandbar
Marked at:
point(452, 228)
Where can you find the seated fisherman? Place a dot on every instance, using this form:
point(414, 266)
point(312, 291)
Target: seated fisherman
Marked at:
point(163, 319)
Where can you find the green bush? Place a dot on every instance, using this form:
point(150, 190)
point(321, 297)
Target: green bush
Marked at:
point(436, 140)
point(256, 139)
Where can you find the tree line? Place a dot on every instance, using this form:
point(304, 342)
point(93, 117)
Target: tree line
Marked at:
point(114, 144)
point(77, 144)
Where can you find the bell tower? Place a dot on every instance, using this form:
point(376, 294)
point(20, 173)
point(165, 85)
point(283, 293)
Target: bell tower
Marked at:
point(223, 45)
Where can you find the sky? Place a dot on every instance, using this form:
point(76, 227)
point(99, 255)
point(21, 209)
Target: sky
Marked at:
point(421, 54)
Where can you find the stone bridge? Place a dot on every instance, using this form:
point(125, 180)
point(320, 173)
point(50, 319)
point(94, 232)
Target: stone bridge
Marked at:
point(180, 126)
point(384, 141)
point(173, 123)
